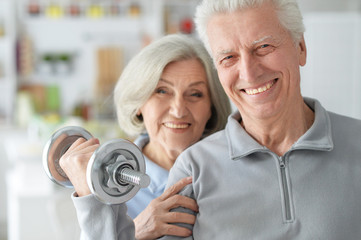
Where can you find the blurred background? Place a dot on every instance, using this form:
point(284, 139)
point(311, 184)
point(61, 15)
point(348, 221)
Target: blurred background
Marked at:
point(60, 59)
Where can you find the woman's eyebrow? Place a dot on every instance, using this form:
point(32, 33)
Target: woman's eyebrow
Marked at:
point(192, 84)
point(166, 81)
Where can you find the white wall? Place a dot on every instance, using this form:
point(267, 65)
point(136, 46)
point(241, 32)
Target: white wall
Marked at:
point(329, 5)
point(332, 73)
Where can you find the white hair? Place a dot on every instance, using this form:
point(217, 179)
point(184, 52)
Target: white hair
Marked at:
point(141, 75)
point(288, 13)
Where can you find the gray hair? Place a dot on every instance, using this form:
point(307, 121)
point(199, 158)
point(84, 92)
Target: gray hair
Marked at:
point(141, 75)
point(288, 12)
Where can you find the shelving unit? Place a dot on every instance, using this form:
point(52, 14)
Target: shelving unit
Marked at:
point(7, 61)
point(83, 35)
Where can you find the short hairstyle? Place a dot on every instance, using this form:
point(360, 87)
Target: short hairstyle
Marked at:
point(288, 12)
point(142, 74)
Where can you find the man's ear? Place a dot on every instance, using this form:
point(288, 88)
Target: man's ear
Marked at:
point(302, 52)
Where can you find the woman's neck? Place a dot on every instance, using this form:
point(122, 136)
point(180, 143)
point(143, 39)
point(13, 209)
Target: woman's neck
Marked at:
point(159, 155)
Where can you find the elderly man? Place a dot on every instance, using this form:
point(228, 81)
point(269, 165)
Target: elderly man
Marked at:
point(284, 167)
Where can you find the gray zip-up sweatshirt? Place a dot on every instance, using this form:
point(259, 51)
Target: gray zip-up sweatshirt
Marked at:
point(245, 191)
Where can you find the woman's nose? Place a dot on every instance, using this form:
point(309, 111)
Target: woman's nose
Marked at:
point(178, 107)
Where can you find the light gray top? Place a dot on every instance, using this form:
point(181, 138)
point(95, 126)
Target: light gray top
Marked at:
point(245, 191)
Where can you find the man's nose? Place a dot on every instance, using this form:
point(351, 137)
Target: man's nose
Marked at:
point(178, 107)
point(249, 68)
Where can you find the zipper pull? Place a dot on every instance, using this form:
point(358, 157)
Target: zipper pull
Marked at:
point(282, 163)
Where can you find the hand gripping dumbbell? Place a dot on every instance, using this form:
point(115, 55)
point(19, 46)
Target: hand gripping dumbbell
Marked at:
point(115, 171)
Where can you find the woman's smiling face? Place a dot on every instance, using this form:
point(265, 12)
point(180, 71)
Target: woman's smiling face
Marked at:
point(176, 114)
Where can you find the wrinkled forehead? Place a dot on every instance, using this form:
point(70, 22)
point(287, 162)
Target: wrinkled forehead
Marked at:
point(245, 27)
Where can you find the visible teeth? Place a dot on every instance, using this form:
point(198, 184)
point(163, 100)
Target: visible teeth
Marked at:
point(172, 125)
point(260, 89)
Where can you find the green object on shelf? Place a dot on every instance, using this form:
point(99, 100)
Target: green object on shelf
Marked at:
point(53, 98)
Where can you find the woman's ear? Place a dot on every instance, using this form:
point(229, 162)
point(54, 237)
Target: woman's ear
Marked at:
point(139, 115)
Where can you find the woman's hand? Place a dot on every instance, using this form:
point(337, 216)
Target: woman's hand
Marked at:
point(75, 161)
point(155, 220)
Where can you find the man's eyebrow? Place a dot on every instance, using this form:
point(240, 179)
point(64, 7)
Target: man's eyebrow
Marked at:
point(255, 42)
point(262, 39)
point(222, 52)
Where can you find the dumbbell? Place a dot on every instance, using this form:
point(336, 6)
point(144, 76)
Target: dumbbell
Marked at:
point(115, 171)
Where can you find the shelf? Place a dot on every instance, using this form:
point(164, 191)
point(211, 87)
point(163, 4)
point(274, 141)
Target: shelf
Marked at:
point(72, 24)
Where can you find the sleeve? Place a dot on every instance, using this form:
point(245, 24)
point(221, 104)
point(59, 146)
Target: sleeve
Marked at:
point(99, 221)
point(181, 170)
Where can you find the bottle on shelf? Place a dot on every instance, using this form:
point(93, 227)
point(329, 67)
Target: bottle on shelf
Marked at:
point(2, 28)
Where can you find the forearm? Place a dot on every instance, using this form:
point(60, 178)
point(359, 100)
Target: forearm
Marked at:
point(100, 221)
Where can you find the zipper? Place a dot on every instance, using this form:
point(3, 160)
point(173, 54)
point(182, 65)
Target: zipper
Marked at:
point(286, 194)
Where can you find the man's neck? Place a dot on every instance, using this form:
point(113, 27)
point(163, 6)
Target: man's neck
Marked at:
point(280, 132)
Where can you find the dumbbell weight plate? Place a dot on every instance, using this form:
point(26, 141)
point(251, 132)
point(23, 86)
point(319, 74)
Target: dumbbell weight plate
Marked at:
point(107, 154)
point(57, 145)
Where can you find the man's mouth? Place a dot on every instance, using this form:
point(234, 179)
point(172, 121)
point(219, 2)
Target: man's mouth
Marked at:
point(177, 126)
point(260, 89)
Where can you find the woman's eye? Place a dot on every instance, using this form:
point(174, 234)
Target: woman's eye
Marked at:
point(197, 94)
point(160, 91)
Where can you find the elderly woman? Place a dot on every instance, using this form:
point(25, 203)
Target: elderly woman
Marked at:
point(170, 97)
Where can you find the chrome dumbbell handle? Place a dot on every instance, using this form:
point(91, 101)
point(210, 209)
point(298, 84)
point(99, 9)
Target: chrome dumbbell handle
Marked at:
point(123, 172)
point(134, 177)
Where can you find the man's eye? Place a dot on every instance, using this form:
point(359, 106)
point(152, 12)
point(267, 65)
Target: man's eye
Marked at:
point(264, 49)
point(228, 57)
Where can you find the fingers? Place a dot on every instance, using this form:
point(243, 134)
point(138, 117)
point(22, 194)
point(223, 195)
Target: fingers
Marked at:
point(171, 199)
point(75, 160)
point(81, 150)
point(156, 220)
point(82, 142)
point(174, 230)
point(174, 189)
point(179, 217)
point(181, 201)
point(155, 226)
